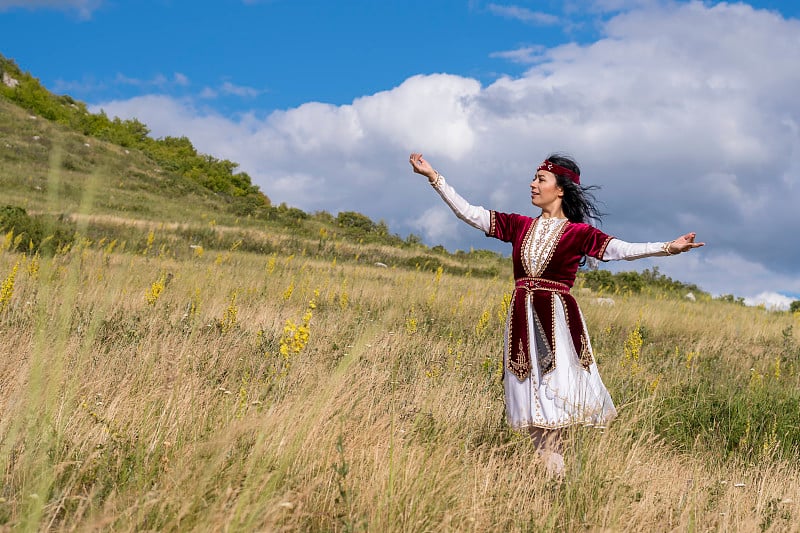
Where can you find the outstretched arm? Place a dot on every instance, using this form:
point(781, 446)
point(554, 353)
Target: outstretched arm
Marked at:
point(618, 249)
point(475, 216)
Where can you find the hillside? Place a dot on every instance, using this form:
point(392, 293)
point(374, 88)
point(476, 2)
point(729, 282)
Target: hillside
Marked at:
point(119, 188)
point(108, 178)
point(48, 167)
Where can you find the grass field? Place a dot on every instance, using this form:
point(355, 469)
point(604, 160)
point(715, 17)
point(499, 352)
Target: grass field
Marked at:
point(179, 368)
point(239, 391)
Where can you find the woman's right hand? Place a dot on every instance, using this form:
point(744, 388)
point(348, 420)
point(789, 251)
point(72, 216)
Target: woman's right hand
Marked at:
point(421, 166)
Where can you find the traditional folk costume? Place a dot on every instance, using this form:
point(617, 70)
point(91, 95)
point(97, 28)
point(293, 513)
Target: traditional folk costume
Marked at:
point(549, 372)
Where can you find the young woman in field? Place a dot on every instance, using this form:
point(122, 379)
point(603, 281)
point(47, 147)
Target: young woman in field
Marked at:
point(549, 373)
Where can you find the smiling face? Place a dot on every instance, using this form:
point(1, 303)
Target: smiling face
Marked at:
point(545, 192)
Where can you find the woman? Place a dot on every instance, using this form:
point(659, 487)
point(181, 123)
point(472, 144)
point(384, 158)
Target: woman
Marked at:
point(549, 373)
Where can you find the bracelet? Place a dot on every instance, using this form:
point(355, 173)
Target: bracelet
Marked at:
point(666, 250)
point(434, 180)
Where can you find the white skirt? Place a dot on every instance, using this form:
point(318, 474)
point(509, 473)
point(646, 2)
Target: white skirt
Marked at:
point(568, 395)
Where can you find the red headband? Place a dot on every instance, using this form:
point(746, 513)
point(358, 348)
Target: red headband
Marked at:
point(557, 169)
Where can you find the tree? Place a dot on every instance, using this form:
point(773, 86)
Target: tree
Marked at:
point(357, 221)
point(794, 307)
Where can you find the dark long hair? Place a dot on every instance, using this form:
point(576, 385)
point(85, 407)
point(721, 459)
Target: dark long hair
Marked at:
point(578, 203)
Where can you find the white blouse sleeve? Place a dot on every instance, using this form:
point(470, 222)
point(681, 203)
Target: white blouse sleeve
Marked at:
point(475, 216)
point(618, 249)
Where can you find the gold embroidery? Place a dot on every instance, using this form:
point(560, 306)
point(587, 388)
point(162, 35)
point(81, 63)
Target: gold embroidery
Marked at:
point(553, 328)
point(603, 248)
point(583, 352)
point(559, 232)
point(521, 369)
point(586, 354)
point(540, 243)
point(545, 353)
point(510, 326)
point(526, 242)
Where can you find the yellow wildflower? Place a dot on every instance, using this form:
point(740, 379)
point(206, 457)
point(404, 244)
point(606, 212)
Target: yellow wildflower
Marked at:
point(7, 288)
point(152, 294)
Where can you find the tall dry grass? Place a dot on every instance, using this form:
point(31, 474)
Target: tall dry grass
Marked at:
point(141, 392)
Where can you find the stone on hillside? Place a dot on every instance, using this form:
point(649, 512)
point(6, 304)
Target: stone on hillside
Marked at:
point(9, 81)
point(690, 296)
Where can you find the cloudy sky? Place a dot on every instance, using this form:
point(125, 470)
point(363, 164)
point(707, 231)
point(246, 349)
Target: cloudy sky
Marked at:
point(685, 113)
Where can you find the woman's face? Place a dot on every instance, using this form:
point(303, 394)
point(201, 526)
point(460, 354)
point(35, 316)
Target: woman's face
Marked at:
point(545, 192)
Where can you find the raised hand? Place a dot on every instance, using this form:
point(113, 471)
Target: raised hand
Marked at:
point(421, 166)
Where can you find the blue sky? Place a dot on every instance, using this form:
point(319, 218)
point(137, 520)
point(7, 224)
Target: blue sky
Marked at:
point(685, 112)
point(275, 54)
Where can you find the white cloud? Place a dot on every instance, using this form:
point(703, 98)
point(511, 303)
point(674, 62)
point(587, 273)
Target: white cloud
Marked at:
point(230, 89)
point(86, 85)
point(718, 272)
point(523, 14)
point(432, 111)
point(239, 90)
point(159, 80)
point(526, 54)
point(605, 6)
point(83, 8)
point(180, 79)
point(436, 224)
point(686, 115)
point(772, 301)
point(89, 85)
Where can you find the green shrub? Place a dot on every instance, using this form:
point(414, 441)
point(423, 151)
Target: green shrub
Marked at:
point(743, 422)
point(355, 221)
point(730, 298)
point(603, 280)
point(42, 233)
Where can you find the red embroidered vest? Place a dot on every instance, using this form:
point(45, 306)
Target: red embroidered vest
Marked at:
point(557, 277)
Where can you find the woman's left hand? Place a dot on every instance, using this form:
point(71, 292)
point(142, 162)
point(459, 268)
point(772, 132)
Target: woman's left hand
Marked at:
point(684, 243)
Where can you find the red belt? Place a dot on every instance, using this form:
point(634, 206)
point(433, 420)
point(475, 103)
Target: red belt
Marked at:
point(541, 284)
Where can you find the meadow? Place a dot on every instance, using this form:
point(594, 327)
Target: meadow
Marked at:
point(149, 389)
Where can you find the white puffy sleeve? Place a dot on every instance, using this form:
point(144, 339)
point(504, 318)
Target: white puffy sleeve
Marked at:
point(475, 216)
point(618, 249)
